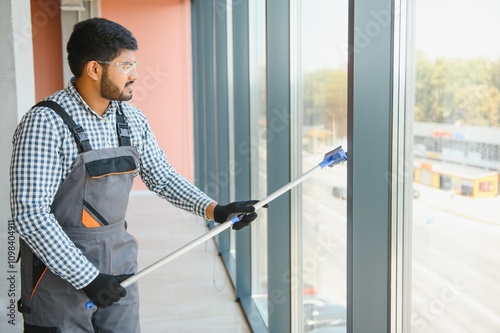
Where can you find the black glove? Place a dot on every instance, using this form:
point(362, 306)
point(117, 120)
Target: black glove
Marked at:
point(243, 209)
point(105, 289)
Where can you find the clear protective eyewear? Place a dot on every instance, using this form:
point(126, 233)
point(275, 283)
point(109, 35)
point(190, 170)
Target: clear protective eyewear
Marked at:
point(125, 67)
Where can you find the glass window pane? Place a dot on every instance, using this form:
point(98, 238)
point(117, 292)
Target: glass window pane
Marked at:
point(455, 262)
point(257, 35)
point(323, 110)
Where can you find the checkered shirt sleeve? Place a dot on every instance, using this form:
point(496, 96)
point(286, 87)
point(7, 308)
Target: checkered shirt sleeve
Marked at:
point(43, 153)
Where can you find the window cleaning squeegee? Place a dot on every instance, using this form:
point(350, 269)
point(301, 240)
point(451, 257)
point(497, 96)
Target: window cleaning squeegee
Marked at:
point(334, 157)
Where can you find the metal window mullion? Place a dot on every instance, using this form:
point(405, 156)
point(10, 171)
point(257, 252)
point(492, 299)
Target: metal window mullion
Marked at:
point(254, 85)
point(397, 179)
point(278, 164)
point(406, 108)
point(296, 133)
point(221, 122)
point(241, 126)
point(370, 135)
point(210, 143)
point(230, 99)
point(402, 166)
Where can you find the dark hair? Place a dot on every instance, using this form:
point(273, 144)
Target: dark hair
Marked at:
point(97, 39)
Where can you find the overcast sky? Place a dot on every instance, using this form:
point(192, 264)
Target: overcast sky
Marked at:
point(458, 28)
point(444, 28)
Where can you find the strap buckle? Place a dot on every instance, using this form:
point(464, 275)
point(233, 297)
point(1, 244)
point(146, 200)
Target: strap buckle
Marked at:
point(123, 130)
point(80, 134)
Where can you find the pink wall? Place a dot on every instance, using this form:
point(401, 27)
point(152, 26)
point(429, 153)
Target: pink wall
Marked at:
point(163, 91)
point(47, 48)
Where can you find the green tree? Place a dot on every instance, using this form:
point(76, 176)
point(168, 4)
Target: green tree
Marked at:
point(478, 105)
point(450, 90)
point(325, 100)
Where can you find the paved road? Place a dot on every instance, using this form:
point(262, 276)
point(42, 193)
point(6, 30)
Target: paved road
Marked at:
point(455, 268)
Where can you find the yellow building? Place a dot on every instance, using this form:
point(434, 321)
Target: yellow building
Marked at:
point(468, 181)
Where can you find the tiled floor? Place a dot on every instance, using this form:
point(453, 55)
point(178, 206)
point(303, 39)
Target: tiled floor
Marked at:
point(192, 293)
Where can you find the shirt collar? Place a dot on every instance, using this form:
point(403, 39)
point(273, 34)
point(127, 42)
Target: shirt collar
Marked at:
point(71, 89)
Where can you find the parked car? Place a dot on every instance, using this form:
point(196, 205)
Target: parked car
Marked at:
point(320, 313)
point(309, 289)
point(340, 192)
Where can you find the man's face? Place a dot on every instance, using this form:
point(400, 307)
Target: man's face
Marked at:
point(118, 77)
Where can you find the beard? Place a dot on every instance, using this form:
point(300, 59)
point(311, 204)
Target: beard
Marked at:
point(111, 91)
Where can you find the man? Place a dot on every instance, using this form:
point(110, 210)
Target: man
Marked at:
point(72, 170)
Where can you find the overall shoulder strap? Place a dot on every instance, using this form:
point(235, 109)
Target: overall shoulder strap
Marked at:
point(82, 141)
point(122, 127)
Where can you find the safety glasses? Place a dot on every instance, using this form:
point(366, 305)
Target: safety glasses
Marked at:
point(125, 67)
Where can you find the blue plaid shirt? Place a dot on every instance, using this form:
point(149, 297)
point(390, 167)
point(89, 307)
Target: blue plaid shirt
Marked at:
point(43, 153)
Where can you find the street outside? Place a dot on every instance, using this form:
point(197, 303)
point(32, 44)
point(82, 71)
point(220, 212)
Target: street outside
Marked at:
point(455, 267)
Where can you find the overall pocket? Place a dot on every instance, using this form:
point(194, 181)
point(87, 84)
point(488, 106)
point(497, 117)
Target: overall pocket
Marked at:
point(110, 248)
point(108, 183)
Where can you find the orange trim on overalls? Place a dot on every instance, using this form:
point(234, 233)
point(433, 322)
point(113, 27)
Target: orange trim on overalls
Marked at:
point(88, 220)
point(37, 283)
point(112, 174)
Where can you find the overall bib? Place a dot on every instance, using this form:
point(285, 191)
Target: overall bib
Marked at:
point(90, 206)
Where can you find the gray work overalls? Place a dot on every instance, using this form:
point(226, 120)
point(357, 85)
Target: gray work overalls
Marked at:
point(90, 206)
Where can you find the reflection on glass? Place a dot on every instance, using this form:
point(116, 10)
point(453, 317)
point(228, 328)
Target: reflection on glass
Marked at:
point(456, 208)
point(323, 109)
point(257, 22)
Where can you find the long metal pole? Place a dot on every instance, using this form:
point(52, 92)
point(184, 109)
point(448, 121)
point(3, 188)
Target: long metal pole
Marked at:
point(215, 231)
point(331, 158)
